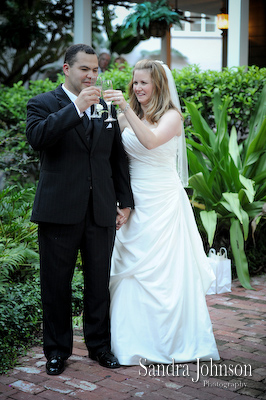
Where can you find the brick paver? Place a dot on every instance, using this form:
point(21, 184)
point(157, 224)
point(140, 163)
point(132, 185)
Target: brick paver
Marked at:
point(239, 322)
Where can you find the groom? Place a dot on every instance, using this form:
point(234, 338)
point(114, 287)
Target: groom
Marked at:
point(83, 176)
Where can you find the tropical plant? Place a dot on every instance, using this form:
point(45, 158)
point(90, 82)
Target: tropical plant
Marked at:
point(148, 19)
point(228, 178)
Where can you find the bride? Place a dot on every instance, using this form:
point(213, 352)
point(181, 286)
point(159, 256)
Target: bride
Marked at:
point(159, 272)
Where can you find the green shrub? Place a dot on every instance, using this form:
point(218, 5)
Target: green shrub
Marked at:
point(20, 321)
point(17, 159)
point(120, 78)
point(20, 163)
point(241, 85)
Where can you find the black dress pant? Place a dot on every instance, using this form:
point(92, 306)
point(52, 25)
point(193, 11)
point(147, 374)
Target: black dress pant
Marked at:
point(59, 245)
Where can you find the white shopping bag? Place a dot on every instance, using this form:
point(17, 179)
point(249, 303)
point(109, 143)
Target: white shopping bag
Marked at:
point(221, 266)
point(224, 274)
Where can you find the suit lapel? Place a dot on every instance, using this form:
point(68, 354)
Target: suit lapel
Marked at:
point(62, 97)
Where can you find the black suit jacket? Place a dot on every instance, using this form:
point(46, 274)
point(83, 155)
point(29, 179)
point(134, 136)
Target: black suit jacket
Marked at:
point(69, 167)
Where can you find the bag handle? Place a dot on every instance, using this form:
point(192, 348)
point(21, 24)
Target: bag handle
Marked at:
point(212, 251)
point(223, 252)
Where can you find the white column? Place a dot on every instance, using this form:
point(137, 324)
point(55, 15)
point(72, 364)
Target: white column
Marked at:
point(238, 33)
point(82, 22)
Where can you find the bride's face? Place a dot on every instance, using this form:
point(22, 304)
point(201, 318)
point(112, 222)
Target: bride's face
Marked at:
point(142, 85)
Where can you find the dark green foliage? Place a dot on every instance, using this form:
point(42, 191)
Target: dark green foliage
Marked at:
point(33, 34)
point(17, 159)
point(20, 320)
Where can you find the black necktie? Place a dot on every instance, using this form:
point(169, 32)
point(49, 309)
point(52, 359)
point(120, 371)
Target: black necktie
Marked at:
point(88, 125)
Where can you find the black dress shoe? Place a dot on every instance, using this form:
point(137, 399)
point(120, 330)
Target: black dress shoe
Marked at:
point(106, 359)
point(55, 366)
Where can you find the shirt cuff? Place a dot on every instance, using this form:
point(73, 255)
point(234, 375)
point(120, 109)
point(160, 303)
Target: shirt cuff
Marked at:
point(78, 111)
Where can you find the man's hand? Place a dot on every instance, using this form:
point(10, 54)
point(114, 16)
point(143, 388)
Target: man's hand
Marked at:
point(87, 97)
point(122, 217)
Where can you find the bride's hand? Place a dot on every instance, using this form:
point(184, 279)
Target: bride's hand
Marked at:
point(117, 97)
point(122, 217)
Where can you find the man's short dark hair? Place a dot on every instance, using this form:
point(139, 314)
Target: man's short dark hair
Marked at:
point(70, 56)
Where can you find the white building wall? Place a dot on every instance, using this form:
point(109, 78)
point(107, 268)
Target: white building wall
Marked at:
point(205, 52)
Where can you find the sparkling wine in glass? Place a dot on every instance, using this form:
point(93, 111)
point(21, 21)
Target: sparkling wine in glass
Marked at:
point(98, 83)
point(105, 86)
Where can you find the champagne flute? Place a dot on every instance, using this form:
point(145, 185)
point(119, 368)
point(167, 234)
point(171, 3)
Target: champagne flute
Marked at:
point(98, 83)
point(105, 86)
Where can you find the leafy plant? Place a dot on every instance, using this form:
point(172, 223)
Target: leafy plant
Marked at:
point(148, 19)
point(19, 258)
point(228, 178)
point(146, 13)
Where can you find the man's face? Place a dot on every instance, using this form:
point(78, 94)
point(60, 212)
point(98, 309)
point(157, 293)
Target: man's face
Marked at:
point(104, 61)
point(82, 73)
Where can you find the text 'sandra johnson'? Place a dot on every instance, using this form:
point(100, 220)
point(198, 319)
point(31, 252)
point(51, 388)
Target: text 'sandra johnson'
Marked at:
point(210, 370)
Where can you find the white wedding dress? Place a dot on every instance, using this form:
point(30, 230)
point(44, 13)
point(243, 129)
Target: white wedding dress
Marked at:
point(159, 272)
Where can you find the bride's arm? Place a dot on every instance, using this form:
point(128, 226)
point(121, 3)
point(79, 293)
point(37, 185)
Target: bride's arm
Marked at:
point(170, 124)
point(122, 121)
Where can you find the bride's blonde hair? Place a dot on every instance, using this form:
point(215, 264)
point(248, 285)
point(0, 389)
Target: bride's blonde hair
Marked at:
point(160, 101)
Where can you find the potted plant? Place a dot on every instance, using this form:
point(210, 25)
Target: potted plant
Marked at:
point(152, 19)
point(148, 19)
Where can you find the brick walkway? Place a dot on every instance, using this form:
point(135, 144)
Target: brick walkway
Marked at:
point(239, 321)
